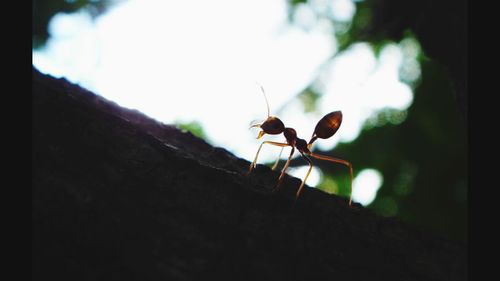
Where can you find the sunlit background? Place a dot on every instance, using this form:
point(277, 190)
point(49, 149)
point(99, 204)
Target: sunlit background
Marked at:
point(198, 64)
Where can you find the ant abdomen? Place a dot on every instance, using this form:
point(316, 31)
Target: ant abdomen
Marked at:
point(328, 125)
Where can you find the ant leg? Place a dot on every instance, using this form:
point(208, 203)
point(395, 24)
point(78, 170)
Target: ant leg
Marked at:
point(277, 160)
point(305, 178)
point(254, 163)
point(280, 179)
point(336, 160)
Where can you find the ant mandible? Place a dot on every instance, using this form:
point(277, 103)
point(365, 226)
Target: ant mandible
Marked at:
point(326, 127)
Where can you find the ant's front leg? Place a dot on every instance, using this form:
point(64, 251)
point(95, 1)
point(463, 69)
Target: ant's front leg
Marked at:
point(254, 163)
point(277, 160)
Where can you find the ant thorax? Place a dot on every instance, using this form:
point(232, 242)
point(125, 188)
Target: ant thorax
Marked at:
point(301, 145)
point(292, 139)
point(290, 135)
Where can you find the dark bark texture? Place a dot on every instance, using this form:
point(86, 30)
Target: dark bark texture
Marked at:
point(119, 196)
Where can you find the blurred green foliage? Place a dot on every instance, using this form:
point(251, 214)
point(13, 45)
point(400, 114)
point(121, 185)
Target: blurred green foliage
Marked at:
point(423, 159)
point(421, 152)
point(44, 10)
point(309, 99)
point(193, 127)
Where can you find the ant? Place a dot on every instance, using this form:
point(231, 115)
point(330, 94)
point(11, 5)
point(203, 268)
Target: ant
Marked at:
point(326, 127)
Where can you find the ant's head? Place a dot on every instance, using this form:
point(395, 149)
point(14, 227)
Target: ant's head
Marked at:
point(272, 126)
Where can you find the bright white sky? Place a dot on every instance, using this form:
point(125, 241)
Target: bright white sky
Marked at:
point(196, 60)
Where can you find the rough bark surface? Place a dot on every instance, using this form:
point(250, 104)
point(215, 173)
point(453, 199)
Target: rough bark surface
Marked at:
point(119, 196)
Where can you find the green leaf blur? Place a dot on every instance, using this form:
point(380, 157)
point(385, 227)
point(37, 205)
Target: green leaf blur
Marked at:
point(422, 151)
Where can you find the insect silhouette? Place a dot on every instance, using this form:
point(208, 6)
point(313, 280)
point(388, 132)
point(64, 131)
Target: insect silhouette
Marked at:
point(326, 128)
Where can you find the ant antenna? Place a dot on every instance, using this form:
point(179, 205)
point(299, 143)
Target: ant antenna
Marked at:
point(265, 97)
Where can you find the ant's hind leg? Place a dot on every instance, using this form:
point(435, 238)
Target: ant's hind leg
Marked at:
point(340, 161)
point(254, 163)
